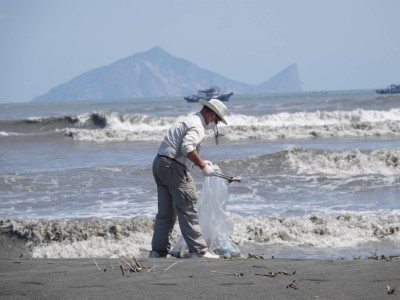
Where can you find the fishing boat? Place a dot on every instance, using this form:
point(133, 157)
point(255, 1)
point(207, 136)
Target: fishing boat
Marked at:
point(207, 94)
point(392, 89)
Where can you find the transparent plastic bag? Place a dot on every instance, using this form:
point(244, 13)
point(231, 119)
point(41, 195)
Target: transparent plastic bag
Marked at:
point(216, 225)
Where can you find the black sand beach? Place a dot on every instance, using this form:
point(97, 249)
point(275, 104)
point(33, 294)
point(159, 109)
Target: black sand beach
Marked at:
point(172, 278)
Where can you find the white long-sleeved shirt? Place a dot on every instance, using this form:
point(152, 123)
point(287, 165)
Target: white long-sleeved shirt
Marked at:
point(184, 137)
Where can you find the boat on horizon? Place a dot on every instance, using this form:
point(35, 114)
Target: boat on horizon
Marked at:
point(392, 89)
point(207, 94)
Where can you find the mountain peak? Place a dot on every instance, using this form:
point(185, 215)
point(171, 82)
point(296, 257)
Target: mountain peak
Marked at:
point(156, 73)
point(156, 50)
point(154, 53)
point(287, 80)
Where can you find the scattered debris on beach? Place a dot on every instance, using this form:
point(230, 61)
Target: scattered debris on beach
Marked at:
point(293, 285)
point(375, 256)
point(269, 274)
point(390, 290)
point(166, 269)
point(228, 273)
point(274, 274)
point(382, 257)
point(132, 263)
point(252, 256)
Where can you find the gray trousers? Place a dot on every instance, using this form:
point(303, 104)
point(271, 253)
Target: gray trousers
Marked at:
point(177, 197)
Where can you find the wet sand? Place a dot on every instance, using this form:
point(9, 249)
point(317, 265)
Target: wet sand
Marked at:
point(171, 278)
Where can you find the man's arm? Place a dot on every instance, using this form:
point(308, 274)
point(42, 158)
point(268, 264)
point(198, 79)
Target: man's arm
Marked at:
point(194, 156)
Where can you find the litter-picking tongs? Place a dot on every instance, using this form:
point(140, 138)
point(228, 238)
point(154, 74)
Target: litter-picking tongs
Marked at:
point(229, 178)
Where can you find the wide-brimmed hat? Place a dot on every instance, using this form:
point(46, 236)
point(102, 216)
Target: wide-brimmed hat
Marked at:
point(216, 106)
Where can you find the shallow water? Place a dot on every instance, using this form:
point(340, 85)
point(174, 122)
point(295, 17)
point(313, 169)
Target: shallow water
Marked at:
point(306, 156)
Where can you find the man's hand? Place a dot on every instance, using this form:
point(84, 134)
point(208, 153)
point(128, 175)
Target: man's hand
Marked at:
point(207, 170)
point(207, 162)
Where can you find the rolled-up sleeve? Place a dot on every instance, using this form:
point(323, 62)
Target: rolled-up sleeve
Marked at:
point(192, 140)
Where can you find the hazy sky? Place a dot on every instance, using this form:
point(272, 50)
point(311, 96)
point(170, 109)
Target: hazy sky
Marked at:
point(337, 44)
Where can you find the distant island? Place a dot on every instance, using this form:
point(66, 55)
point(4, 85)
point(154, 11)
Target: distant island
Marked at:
point(156, 73)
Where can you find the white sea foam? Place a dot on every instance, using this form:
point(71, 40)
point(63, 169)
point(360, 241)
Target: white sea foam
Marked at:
point(6, 133)
point(317, 230)
point(314, 124)
point(113, 238)
point(298, 125)
point(120, 127)
point(96, 246)
point(353, 162)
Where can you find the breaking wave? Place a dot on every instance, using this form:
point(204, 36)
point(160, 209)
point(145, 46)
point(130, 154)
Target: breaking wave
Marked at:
point(325, 124)
point(352, 162)
point(98, 237)
point(113, 126)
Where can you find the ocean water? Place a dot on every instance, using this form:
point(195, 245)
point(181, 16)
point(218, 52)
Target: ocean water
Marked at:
point(320, 174)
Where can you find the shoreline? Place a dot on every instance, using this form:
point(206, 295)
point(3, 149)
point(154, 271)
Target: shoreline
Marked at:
point(88, 278)
point(24, 277)
point(17, 247)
